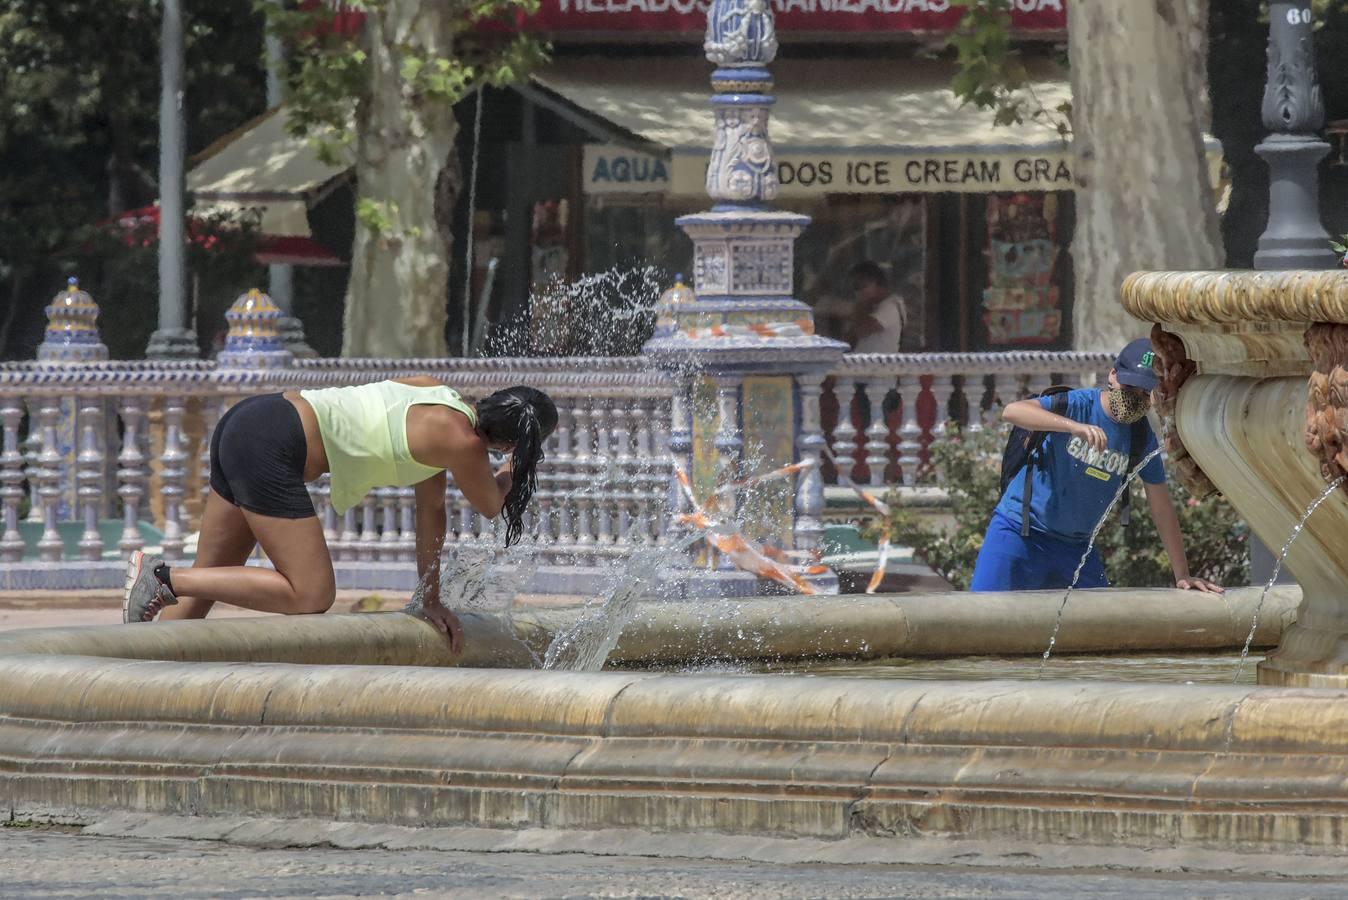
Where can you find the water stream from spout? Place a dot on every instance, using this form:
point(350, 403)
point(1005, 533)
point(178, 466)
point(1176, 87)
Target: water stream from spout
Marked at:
point(1254, 623)
point(1057, 624)
point(585, 645)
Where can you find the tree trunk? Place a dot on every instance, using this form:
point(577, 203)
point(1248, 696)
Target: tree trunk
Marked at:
point(397, 294)
point(16, 287)
point(119, 158)
point(1139, 109)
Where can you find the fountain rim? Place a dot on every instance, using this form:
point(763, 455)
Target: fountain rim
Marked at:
point(1236, 297)
point(865, 626)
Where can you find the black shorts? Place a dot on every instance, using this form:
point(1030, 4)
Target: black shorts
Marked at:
point(257, 458)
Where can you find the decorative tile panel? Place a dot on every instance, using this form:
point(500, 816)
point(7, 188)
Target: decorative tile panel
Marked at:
point(761, 267)
point(709, 268)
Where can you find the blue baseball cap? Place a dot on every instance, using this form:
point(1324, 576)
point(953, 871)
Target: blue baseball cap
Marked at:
point(1133, 366)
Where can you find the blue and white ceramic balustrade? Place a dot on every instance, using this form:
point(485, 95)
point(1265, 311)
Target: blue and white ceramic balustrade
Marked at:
point(71, 337)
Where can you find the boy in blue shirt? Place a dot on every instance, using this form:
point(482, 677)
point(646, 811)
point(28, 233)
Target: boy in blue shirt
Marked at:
point(1084, 461)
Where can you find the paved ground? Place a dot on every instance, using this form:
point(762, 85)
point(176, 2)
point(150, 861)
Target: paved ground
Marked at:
point(38, 609)
point(41, 863)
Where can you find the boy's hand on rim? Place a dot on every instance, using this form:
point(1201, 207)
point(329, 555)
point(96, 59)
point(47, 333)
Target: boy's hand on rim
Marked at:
point(1199, 584)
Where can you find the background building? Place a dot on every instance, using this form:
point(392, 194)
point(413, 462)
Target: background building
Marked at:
point(585, 167)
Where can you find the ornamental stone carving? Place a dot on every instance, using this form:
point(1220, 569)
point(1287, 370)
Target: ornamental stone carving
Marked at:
point(1327, 398)
point(740, 32)
point(741, 169)
point(1174, 368)
point(1237, 297)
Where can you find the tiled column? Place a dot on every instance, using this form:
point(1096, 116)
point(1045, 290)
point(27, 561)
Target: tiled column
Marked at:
point(739, 329)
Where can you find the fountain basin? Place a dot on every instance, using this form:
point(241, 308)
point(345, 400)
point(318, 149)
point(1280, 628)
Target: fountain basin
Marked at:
point(1173, 667)
point(1255, 768)
point(940, 624)
point(380, 639)
point(86, 730)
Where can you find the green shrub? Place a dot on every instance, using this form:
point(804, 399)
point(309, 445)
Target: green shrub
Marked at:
point(1216, 541)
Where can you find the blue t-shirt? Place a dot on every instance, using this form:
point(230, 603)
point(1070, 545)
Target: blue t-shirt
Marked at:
point(1073, 483)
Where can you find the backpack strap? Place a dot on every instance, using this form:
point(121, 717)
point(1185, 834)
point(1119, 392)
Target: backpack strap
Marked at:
point(1137, 442)
point(1036, 445)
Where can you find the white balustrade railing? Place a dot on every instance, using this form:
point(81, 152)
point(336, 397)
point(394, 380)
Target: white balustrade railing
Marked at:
point(605, 469)
point(83, 444)
point(891, 408)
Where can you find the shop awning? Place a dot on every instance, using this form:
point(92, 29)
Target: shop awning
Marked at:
point(860, 125)
point(262, 166)
point(141, 226)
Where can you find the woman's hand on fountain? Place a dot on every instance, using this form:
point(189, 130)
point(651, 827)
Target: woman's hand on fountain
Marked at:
point(1199, 584)
point(435, 612)
point(1093, 435)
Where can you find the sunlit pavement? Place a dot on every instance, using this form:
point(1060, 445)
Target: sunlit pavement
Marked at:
point(41, 863)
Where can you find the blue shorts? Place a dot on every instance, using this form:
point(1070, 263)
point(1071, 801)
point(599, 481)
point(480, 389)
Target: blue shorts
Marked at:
point(1009, 562)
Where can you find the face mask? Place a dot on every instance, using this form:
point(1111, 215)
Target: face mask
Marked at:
point(1127, 406)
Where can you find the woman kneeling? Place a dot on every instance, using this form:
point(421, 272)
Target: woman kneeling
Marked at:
point(391, 433)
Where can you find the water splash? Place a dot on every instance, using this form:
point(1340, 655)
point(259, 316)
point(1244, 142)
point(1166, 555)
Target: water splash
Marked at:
point(610, 313)
point(1277, 567)
point(1095, 532)
point(481, 579)
point(586, 644)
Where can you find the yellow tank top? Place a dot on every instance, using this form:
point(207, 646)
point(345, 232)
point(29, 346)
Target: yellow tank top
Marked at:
point(364, 431)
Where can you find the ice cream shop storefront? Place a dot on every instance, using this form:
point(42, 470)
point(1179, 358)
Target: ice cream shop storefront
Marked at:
point(583, 167)
point(970, 222)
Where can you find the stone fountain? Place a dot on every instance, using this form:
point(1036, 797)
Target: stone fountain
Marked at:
point(1254, 369)
point(238, 729)
point(742, 350)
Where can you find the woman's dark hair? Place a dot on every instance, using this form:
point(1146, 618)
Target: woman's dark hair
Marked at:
point(524, 417)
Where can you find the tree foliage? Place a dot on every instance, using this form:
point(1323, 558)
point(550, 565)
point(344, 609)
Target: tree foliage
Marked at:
point(79, 109)
point(375, 86)
point(991, 71)
point(329, 73)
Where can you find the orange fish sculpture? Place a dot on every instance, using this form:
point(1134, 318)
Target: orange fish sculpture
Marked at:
point(747, 554)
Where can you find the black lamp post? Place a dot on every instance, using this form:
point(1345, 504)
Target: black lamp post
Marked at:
point(173, 339)
point(1294, 112)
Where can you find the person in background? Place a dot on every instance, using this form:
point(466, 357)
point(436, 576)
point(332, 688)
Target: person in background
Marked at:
point(879, 315)
point(1084, 460)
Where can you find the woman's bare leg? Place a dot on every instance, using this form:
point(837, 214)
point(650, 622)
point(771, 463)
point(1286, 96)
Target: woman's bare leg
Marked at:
point(303, 581)
point(225, 541)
